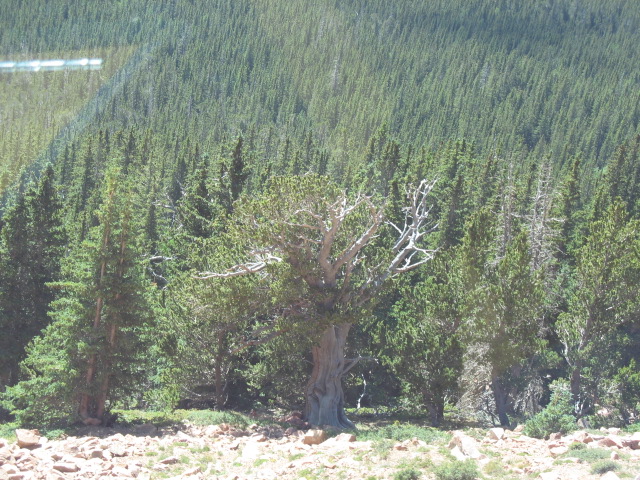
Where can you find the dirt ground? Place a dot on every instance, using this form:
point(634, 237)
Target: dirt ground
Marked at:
point(271, 452)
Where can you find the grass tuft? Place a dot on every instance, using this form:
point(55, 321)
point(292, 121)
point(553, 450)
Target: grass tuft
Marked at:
point(407, 474)
point(604, 466)
point(457, 470)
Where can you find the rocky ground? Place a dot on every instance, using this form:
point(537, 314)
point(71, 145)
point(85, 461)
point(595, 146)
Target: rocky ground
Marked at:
point(271, 452)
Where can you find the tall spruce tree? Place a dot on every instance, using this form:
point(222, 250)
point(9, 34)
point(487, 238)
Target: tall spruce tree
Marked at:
point(89, 353)
point(32, 244)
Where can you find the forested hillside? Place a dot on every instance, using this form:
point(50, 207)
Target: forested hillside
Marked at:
point(436, 202)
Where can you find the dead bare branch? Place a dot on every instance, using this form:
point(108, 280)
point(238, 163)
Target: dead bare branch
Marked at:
point(241, 268)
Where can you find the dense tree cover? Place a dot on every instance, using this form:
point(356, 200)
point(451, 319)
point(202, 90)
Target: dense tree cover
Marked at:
point(32, 245)
point(287, 139)
point(549, 76)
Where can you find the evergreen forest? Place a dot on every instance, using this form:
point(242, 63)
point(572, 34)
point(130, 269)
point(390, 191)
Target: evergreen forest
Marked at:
point(429, 207)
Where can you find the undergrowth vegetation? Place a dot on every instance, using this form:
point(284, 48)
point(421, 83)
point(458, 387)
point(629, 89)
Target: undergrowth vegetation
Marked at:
point(403, 431)
point(128, 194)
point(556, 417)
point(457, 470)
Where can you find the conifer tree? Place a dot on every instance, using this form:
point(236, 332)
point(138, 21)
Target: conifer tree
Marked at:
point(604, 293)
point(424, 345)
point(319, 236)
point(89, 354)
point(502, 302)
point(32, 244)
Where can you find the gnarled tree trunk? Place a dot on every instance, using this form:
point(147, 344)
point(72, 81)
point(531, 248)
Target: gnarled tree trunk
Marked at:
point(501, 397)
point(324, 394)
point(435, 407)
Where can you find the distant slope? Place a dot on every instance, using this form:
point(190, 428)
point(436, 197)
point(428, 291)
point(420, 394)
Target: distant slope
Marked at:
point(553, 75)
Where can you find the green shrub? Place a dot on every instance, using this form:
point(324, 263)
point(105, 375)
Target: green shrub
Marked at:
point(556, 417)
point(8, 431)
point(604, 466)
point(635, 427)
point(589, 454)
point(382, 447)
point(138, 417)
point(457, 470)
point(612, 419)
point(407, 474)
point(577, 446)
point(212, 417)
point(54, 434)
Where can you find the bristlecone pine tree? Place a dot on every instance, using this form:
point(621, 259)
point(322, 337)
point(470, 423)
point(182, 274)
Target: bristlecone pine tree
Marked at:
point(322, 235)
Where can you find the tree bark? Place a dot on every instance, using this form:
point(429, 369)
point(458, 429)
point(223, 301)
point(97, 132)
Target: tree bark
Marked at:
point(220, 397)
point(435, 409)
point(500, 395)
point(324, 394)
point(576, 386)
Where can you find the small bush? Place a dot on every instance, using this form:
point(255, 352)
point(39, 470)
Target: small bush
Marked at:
point(494, 468)
point(603, 467)
point(577, 446)
point(54, 434)
point(457, 470)
point(633, 428)
point(589, 455)
point(612, 419)
point(7, 431)
point(407, 474)
point(382, 447)
point(556, 417)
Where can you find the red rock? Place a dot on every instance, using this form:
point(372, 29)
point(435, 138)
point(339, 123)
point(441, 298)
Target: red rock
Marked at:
point(314, 437)
point(632, 443)
point(610, 441)
point(467, 445)
point(212, 431)
point(10, 469)
point(191, 471)
point(259, 437)
point(66, 467)
point(345, 437)
point(27, 438)
point(558, 450)
point(5, 456)
point(169, 461)
point(120, 471)
point(118, 450)
point(582, 437)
